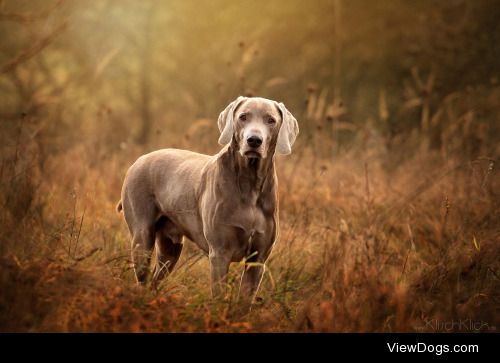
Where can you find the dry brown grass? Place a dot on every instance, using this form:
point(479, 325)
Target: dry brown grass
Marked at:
point(364, 246)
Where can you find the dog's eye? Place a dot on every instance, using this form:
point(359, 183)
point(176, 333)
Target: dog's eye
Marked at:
point(243, 117)
point(271, 121)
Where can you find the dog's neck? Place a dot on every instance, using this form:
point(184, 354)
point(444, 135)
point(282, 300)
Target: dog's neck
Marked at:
point(251, 174)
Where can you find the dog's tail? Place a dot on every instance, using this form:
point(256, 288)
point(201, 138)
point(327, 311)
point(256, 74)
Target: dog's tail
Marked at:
point(119, 207)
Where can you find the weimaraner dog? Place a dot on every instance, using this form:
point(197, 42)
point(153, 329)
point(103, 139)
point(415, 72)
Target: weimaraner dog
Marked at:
point(227, 203)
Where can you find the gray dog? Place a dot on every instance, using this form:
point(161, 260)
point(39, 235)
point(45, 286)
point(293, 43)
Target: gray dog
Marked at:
point(227, 203)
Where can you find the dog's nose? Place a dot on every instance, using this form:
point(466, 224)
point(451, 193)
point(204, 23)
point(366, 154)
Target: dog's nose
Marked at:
point(254, 141)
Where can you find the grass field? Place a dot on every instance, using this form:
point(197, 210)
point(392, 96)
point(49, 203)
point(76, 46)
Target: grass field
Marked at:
point(361, 248)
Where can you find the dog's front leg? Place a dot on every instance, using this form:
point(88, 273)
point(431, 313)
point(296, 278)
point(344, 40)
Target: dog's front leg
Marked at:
point(255, 265)
point(219, 267)
point(250, 281)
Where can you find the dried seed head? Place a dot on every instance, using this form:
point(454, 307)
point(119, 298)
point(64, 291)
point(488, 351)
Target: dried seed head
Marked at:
point(446, 204)
point(311, 87)
point(491, 167)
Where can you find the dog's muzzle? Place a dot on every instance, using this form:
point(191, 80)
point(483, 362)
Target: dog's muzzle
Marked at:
point(254, 141)
point(253, 144)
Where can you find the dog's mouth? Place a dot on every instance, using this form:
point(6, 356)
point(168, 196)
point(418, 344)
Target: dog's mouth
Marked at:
point(251, 154)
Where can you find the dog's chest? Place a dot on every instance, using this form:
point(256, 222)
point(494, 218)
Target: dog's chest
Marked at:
point(249, 218)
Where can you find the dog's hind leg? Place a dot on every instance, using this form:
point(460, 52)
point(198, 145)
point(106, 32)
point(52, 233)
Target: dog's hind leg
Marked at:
point(142, 246)
point(140, 214)
point(168, 248)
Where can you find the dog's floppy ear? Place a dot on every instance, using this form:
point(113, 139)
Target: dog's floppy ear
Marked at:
point(288, 131)
point(226, 121)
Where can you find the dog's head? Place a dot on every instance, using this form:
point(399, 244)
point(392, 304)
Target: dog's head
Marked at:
point(258, 127)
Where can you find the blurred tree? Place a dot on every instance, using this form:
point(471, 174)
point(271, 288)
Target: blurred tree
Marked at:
point(157, 65)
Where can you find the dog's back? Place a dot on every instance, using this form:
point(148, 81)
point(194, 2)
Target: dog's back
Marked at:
point(160, 177)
